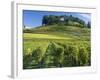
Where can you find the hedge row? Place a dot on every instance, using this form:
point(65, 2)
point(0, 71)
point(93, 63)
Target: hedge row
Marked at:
point(59, 55)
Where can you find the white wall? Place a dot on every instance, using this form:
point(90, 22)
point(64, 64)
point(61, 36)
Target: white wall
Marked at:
point(5, 38)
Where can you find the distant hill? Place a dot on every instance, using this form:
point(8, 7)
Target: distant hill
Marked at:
point(27, 27)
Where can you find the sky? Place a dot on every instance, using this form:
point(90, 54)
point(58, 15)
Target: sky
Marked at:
point(33, 18)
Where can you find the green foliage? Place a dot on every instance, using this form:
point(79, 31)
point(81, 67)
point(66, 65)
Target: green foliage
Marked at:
point(62, 20)
point(83, 56)
point(59, 55)
point(56, 46)
point(37, 54)
point(89, 24)
point(27, 31)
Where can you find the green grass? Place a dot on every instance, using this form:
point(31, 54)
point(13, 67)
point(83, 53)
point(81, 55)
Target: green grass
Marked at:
point(41, 38)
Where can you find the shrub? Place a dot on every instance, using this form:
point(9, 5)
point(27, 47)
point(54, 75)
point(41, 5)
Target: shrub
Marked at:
point(83, 56)
point(59, 55)
point(71, 55)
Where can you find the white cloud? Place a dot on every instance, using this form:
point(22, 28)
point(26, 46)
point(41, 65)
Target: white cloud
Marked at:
point(86, 16)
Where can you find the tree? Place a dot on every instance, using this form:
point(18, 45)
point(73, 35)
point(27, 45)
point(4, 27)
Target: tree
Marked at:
point(63, 20)
point(89, 24)
point(45, 20)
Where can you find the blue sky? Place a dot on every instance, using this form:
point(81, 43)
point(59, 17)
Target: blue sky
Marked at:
point(33, 18)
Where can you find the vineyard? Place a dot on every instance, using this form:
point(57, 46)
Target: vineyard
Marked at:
point(56, 46)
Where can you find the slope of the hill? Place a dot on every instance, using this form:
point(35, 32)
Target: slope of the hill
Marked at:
point(43, 43)
point(58, 32)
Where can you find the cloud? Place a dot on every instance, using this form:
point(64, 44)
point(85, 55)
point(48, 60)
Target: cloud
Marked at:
point(86, 16)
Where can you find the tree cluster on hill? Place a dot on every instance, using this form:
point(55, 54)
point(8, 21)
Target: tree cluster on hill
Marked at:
point(64, 20)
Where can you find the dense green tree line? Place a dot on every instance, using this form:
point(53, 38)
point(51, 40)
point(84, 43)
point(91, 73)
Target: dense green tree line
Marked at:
point(64, 20)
